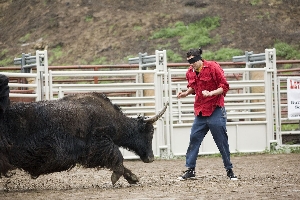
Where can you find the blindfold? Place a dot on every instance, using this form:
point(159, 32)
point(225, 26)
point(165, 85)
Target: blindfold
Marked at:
point(194, 59)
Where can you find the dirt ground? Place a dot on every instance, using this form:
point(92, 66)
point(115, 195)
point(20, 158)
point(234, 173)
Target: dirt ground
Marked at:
point(81, 32)
point(262, 176)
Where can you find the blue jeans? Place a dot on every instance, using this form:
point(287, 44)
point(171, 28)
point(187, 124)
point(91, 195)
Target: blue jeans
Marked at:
point(216, 123)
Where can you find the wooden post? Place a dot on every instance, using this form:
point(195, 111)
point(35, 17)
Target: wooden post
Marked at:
point(95, 77)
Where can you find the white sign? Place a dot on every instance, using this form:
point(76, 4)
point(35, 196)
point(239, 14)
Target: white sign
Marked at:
point(293, 97)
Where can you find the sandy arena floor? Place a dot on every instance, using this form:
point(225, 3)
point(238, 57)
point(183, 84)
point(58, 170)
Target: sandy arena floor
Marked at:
point(260, 177)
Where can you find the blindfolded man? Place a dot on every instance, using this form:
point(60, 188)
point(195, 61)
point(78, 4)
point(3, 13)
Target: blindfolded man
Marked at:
point(207, 82)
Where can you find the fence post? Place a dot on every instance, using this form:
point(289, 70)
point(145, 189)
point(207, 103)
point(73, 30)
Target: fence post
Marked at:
point(95, 77)
point(271, 97)
point(161, 97)
point(42, 74)
point(160, 80)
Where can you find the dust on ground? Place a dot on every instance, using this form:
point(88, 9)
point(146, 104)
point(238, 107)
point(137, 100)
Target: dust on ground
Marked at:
point(263, 176)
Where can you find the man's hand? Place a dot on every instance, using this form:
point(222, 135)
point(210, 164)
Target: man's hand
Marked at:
point(207, 93)
point(181, 94)
point(212, 93)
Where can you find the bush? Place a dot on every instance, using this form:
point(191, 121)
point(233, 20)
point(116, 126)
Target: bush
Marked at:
point(286, 51)
point(192, 35)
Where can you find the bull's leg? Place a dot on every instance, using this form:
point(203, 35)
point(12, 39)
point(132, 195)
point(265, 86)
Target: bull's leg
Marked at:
point(102, 152)
point(117, 173)
point(130, 177)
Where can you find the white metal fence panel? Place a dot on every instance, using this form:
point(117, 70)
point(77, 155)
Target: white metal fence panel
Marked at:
point(15, 86)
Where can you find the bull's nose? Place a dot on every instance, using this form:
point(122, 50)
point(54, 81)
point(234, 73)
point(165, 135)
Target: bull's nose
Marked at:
point(149, 159)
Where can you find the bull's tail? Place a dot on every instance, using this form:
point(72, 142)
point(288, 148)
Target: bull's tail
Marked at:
point(4, 93)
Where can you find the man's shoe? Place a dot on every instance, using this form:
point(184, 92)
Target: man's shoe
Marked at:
point(231, 175)
point(188, 174)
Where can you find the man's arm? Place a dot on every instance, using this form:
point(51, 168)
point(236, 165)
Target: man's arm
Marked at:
point(213, 92)
point(186, 93)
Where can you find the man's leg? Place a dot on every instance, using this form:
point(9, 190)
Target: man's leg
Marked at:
point(198, 131)
point(217, 126)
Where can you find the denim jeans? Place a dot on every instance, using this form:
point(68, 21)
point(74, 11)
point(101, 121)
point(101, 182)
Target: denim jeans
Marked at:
point(216, 123)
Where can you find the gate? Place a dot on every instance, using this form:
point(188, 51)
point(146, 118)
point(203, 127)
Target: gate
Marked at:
point(38, 80)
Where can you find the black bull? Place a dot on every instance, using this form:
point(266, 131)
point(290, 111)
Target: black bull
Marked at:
point(87, 129)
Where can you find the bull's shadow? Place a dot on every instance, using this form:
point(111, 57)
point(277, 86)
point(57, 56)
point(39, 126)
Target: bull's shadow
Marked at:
point(87, 129)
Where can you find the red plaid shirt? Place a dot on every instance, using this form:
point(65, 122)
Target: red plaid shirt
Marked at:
point(211, 77)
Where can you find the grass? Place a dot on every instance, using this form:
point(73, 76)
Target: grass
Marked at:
point(223, 54)
point(273, 150)
point(192, 35)
point(5, 60)
point(130, 56)
point(289, 127)
point(25, 38)
point(173, 57)
point(3, 52)
point(286, 51)
point(254, 2)
point(281, 150)
point(195, 35)
point(198, 33)
point(88, 18)
point(177, 29)
point(137, 28)
point(56, 53)
point(99, 61)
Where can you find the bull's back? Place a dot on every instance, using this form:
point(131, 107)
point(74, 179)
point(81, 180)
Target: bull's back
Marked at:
point(77, 115)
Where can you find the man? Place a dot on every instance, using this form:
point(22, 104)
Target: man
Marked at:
point(207, 81)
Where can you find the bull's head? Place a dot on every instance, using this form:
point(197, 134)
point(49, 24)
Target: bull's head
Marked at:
point(146, 152)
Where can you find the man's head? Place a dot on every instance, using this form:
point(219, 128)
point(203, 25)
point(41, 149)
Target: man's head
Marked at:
point(194, 57)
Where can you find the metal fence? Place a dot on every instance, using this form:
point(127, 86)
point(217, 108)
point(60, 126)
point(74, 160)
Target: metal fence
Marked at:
point(250, 103)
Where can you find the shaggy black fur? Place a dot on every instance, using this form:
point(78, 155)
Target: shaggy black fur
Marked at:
point(51, 136)
point(4, 93)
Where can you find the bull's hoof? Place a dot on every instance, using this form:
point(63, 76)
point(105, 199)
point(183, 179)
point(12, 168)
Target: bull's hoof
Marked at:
point(34, 176)
point(115, 177)
point(130, 177)
point(133, 179)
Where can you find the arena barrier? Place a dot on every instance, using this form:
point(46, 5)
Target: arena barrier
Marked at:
point(281, 112)
point(251, 102)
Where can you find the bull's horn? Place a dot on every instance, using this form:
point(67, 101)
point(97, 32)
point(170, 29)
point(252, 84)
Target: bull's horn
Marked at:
point(156, 117)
